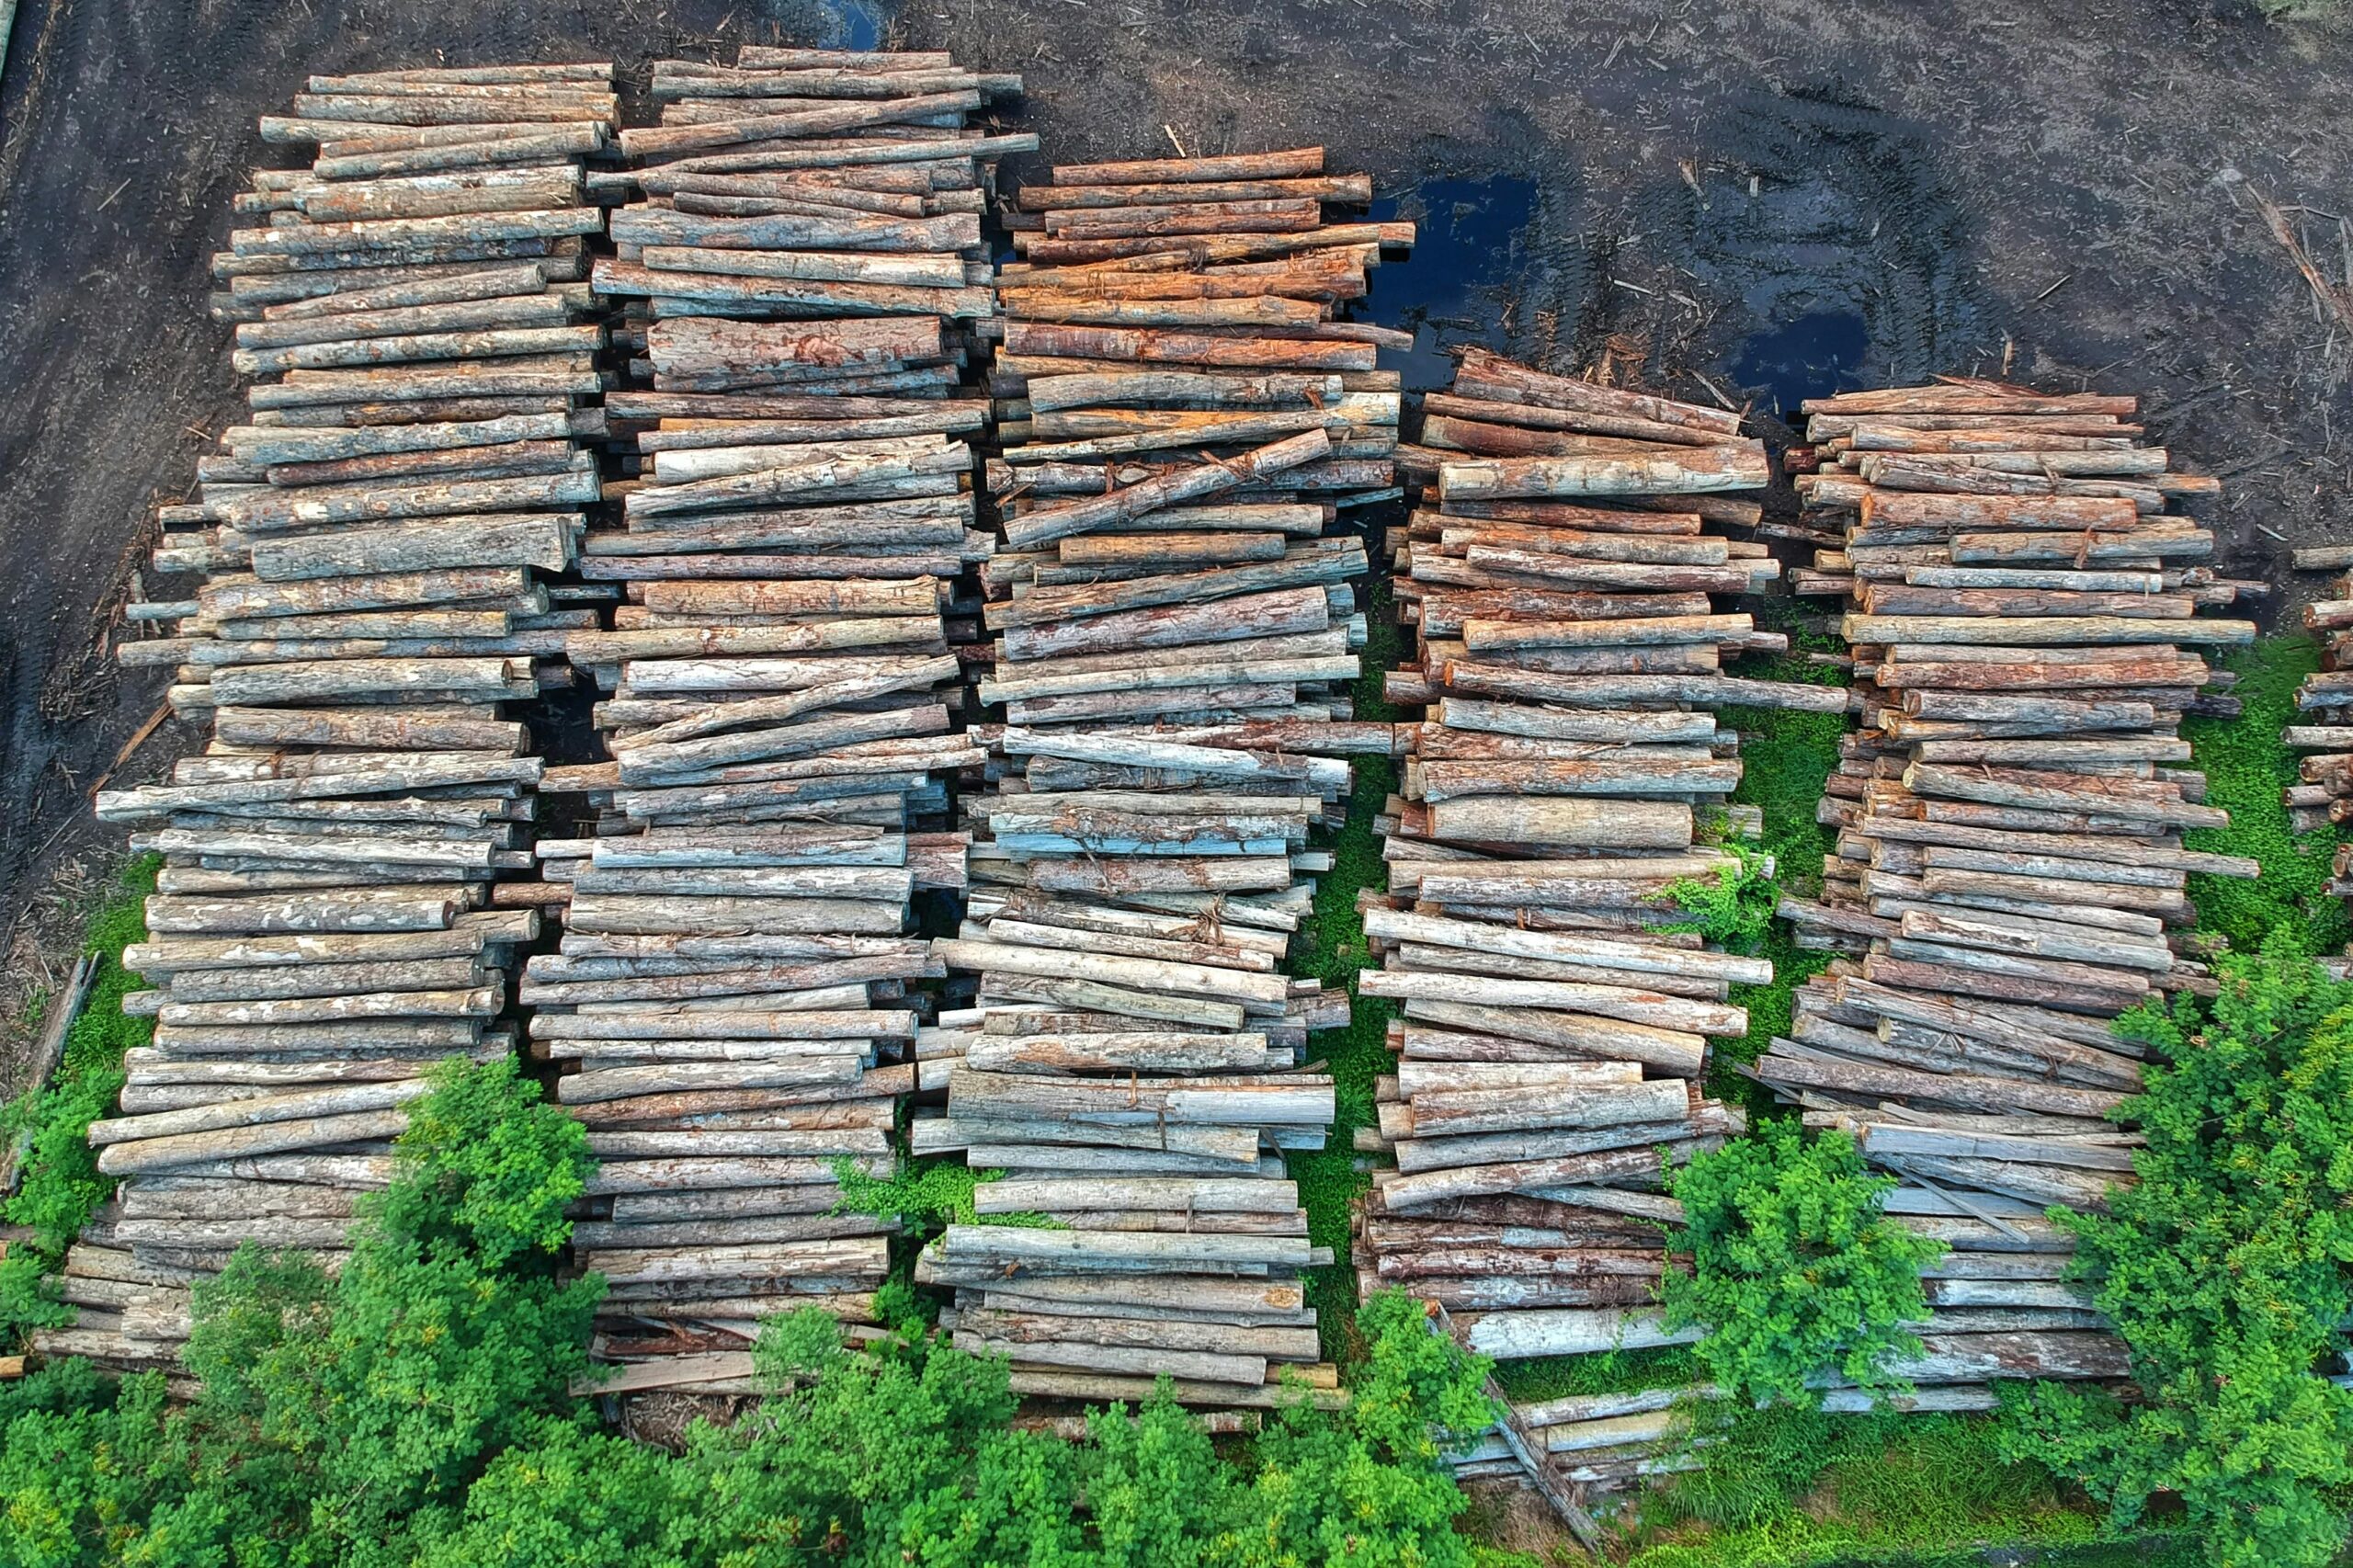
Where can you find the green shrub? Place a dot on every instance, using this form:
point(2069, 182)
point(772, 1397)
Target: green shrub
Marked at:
point(1794, 1271)
point(2225, 1271)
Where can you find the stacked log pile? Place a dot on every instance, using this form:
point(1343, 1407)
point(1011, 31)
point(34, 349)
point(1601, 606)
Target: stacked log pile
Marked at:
point(730, 1000)
point(2322, 797)
point(371, 545)
point(1182, 416)
point(1569, 778)
point(1170, 314)
point(2009, 872)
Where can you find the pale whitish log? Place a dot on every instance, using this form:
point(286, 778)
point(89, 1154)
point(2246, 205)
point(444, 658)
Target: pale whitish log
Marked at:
point(2036, 940)
point(1687, 1014)
point(1615, 1161)
point(1898, 1139)
point(807, 471)
point(379, 1037)
point(755, 1230)
point(1079, 1251)
point(307, 1104)
point(541, 542)
point(1206, 1195)
point(1282, 1099)
point(394, 728)
point(704, 1176)
point(1570, 1332)
point(480, 1002)
point(1975, 1358)
point(623, 915)
point(272, 512)
point(843, 1256)
point(1597, 725)
point(618, 278)
point(1967, 1091)
point(1477, 1155)
point(1565, 946)
point(295, 444)
point(1020, 1331)
point(1501, 1110)
point(1147, 1360)
point(2035, 1182)
point(1039, 1155)
point(1420, 1077)
point(1504, 681)
point(355, 1171)
point(1124, 1052)
point(466, 937)
point(1735, 466)
point(659, 1023)
point(360, 910)
point(677, 1077)
point(710, 1143)
point(1050, 926)
point(2041, 632)
point(1614, 824)
point(1124, 751)
point(231, 1143)
point(1199, 1301)
point(1152, 974)
point(1575, 1034)
point(1224, 1148)
point(1619, 775)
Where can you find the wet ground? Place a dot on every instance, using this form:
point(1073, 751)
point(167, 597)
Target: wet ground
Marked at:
point(1740, 202)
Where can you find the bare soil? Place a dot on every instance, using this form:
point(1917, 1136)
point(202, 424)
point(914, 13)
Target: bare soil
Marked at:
point(2060, 188)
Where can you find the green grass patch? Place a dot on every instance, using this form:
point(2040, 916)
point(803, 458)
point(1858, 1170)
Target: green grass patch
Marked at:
point(1788, 757)
point(1611, 1372)
point(61, 1186)
point(1333, 952)
point(2246, 768)
point(1786, 1487)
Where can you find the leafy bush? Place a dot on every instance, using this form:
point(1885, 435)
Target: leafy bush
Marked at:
point(340, 1420)
point(1735, 911)
point(415, 1409)
point(2225, 1271)
point(900, 1454)
point(1794, 1271)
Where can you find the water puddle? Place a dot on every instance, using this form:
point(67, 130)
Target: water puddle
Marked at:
point(1450, 293)
point(1813, 355)
point(825, 24)
point(858, 26)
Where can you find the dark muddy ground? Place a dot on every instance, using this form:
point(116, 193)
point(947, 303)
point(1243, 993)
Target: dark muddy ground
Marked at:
point(1749, 200)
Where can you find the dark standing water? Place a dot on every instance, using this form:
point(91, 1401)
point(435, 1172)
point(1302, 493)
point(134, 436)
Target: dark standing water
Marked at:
point(1450, 292)
point(1819, 353)
point(860, 27)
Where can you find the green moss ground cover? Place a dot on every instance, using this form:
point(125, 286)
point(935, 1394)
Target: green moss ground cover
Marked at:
point(61, 1186)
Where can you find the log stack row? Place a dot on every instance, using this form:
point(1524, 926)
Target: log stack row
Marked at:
point(2322, 797)
point(2009, 873)
point(730, 1001)
point(1569, 782)
point(372, 548)
point(1182, 417)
